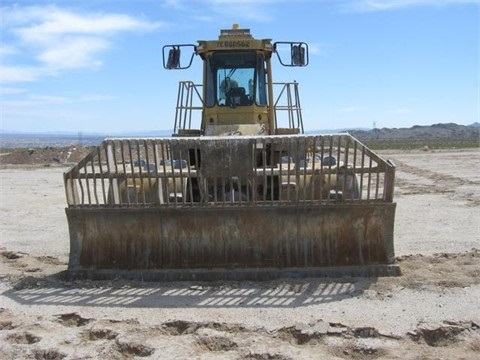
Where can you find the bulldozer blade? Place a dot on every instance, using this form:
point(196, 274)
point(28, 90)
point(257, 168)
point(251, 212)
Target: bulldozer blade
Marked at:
point(242, 208)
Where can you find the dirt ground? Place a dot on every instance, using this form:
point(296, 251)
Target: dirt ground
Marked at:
point(431, 311)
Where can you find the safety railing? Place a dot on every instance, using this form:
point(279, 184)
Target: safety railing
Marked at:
point(288, 112)
point(287, 109)
point(189, 106)
point(234, 171)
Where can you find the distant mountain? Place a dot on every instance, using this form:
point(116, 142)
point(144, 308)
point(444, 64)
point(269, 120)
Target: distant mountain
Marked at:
point(62, 139)
point(436, 131)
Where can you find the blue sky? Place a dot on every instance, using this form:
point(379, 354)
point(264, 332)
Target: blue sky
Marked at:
point(96, 66)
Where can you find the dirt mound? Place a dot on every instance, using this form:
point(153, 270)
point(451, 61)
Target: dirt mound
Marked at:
point(444, 334)
point(45, 156)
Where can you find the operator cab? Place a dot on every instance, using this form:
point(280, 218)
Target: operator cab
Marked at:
point(235, 79)
point(237, 94)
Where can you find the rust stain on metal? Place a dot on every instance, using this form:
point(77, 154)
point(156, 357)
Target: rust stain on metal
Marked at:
point(274, 202)
point(228, 238)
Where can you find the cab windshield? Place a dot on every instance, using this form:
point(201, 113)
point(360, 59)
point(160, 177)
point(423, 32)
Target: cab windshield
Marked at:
point(235, 78)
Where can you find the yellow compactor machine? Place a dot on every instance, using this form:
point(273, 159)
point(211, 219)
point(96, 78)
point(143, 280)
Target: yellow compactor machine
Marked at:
point(238, 192)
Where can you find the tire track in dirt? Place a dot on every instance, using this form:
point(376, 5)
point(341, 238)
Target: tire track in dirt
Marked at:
point(437, 183)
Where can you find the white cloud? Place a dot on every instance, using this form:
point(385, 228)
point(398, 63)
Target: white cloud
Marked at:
point(12, 74)
point(349, 109)
point(320, 49)
point(403, 111)
point(32, 100)
point(53, 21)
point(52, 39)
point(95, 97)
point(213, 10)
point(46, 105)
point(4, 90)
point(381, 5)
point(74, 52)
point(49, 99)
point(6, 50)
point(175, 4)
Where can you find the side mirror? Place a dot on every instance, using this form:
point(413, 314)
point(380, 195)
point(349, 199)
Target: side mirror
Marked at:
point(296, 51)
point(298, 55)
point(172, 57)
point(173, 61)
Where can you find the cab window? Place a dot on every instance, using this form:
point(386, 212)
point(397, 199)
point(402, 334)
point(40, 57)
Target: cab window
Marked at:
point(235, 79)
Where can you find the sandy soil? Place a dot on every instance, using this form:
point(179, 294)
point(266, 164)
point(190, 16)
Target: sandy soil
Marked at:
point(432, 311)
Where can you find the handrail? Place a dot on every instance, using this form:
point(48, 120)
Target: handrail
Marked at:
point(190, 103)
point(262, 171)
